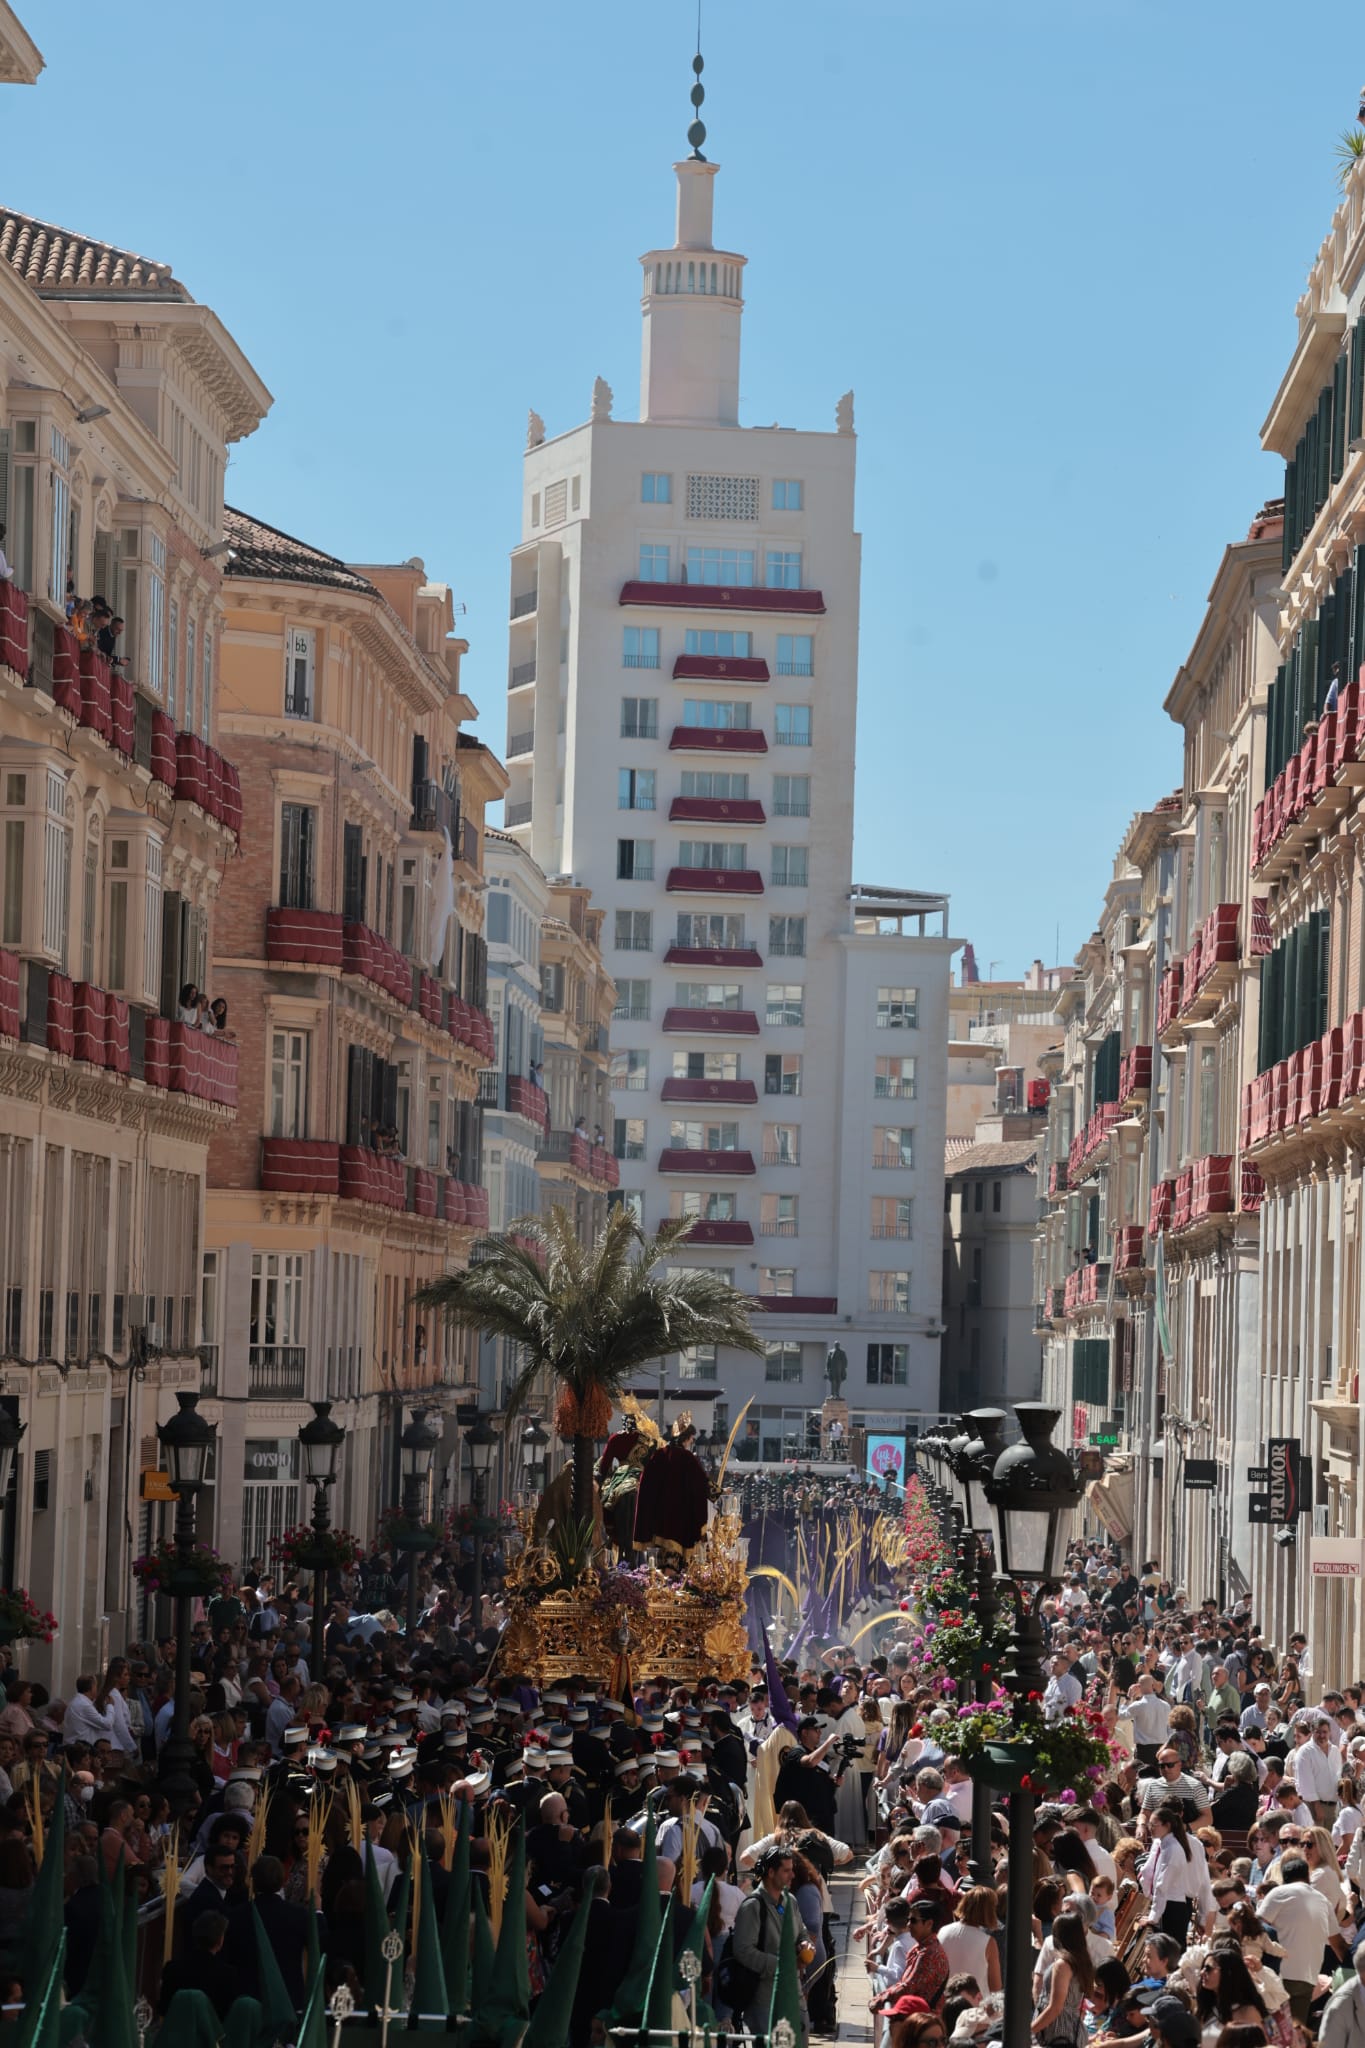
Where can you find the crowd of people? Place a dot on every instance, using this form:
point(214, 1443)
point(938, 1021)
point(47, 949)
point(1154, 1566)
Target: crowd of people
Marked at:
point(1209, 1893)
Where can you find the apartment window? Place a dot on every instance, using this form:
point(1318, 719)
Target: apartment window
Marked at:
point(654, 561)
point(639, 718)
point(894, 1076)
point(995, 1197)
point(634, 931)
point(298, 674)
point(791, 796)
point(784, 568)
point(697, 1364)
point(635, 789)
point(635, 860)
point(714, 785)
point(703, 1137)
point(777, 1216)
point(706, 1066)
point(891, 1215)
point(289, 1084)
point(786, 1003)
point(191, 658)
point(709, 995)
point(889, 1293)
point(707, 1205)
point(407, 910)
point(116, 916)
point(789, 869)
point(12, 912)
point(777, 1280)
point(656, 488)
point(782, 1360)
point(719, 716)
point(733, 567)
point(630, 1069)
point(791, 725)
point(897, 1009)
point(56, 870)
point(154, 667)
point(702, 640)
point(699, 929)
point(60, 554)
point(640, 647)
point(795, 654)
point(19, 444)
point(173, 660)
point(712, 853)
point(628, 1137)
point(435, 1156)
point(632, 1000)
point(887, 1364)
point(1208, 1099)
point(206, 677)
point(298, 843)
point(276, 1299)
point(782, 1073)
point(787, 937)
point(781, 1144)
point(892, 1146)
point(90, 902)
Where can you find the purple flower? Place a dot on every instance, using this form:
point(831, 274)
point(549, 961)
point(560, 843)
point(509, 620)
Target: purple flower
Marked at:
point(1100, 1801)
point(1067, 1798)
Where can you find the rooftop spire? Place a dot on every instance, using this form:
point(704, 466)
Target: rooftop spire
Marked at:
point(696, 133)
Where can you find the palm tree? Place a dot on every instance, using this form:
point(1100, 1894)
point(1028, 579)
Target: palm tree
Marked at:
point(590, 1317)
point(1349, 150)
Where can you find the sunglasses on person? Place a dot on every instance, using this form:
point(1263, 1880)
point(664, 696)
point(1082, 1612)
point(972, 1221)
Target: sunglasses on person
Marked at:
point(1169, 1763)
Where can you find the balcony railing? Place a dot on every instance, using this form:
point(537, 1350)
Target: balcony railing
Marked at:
point(520, 743)
point(796, 668)
point(713, 956)
point(719, 668)
point(716, 810)
point(720, 597)
point(1308, 792)
point(716, 881)
point(1130, 1248)
point(726, 1162)
point(712, 1022)
point(523, 672)
point(276, 1372)
point(377, 960)
point(779, 1226)
point(516, 814)
point(1318, 1081)
point(639, 661)
point(779, 1155)
point(525, 602)
point(679, 1088)
point(729, 1231)
point(723, 739)
point(304, 937)
point(208, 1371)
point(1135, 1073)
point(1083, 1157)
point(891, 1230)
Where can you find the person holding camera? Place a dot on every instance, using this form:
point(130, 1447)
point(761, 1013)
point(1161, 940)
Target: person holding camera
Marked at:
point(805, 1776)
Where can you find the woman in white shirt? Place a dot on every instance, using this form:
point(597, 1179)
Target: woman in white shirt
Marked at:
point(967, 1942)
point(1324, 1873)
point(1170, 1876)
point(1349, 1815)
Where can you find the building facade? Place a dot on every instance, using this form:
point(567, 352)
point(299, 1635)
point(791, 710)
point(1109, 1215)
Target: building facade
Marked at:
point(350, 950)
point(120, 397)
point(682, 674)
point(992, 1354)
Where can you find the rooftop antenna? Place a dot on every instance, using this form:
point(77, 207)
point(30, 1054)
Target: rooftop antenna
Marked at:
point(696, 133)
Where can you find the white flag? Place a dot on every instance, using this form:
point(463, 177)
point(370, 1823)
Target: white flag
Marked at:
point(442, 904)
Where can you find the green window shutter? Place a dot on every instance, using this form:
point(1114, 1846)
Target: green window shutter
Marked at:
point(1357, 647)
point(1323, 982)
point(1305, 696)
point(1339, 374)
point(1288, 548)
point(1307, 473)
point(1324, 448)
point(1344, 613)
point(1265, 1055)
point(1322, 666)
point(1356, 417)
point(1289, 993)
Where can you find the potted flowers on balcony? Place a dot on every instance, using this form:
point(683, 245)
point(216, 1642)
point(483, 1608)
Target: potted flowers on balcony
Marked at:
point(302, 1549)
point(21, 1621)
point(1008, 1745)
point(200, 1572)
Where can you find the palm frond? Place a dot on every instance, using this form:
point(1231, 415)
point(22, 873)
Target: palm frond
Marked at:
point(1349, 150)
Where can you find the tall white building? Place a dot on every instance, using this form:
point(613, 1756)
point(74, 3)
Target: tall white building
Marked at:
point(682, 687)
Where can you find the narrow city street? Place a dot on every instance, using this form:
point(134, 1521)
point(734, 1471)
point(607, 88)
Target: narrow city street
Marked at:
point(855, 2023)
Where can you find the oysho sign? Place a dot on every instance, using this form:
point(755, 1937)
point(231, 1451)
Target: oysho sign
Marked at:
point(272, 1458)
point(1283, 1462)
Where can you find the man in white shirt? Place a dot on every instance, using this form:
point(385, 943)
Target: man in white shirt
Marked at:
point(1316, 1765)
point(84, 1722)
point(957, 1787)
point(1304, 1925)
point(1086, 1822)
point(1063, 1692)
point(1149, 1714)
point(1185, 1679)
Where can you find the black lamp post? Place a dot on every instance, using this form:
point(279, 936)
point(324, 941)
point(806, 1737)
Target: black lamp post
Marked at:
point(480, 1443)
point(417, 1448)
point(1032, 1492)
point(321, 1440)
point(187, 1440)
point(11, 1430)
point(535, 1447)
point(977, 1452)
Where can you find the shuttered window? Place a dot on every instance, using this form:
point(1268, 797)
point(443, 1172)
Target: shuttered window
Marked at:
point(1294, 990)
point(1090, 1371)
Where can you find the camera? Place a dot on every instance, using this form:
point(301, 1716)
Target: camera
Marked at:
point(848, 1748)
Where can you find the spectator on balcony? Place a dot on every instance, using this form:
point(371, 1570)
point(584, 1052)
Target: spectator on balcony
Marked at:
point(107, 641)
point(187, 1010)
point(580, 1127)
point(597, 1135)
point(218, 1010)
point(1333, 688)
point(6, 572)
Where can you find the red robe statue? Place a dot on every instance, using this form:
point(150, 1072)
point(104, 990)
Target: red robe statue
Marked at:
point(672, 1501)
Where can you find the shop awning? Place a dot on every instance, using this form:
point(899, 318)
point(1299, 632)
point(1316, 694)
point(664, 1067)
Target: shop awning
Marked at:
point(1112, 1500)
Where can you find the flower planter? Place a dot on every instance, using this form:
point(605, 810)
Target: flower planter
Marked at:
point(1004, 1765)
point(193, 1584)
point(413, 1539)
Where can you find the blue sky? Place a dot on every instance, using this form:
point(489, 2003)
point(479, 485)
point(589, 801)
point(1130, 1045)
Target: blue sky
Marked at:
point(1055, 252)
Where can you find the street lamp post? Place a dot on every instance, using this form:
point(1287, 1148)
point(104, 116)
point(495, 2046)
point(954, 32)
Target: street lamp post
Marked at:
point(1032, 1492)
point(481, 1443)
point(11, 1431)
point(978, 1451)
point(321, 1440)
point(417, 1447)
point(535, 1444)
point(187, 1440)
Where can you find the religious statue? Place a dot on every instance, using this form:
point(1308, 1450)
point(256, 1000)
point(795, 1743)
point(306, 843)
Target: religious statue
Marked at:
point(836, 1368)
point(623, 1459)
point(601, 400)
point(535, 429)
point(843, 414)
point(673, 1499)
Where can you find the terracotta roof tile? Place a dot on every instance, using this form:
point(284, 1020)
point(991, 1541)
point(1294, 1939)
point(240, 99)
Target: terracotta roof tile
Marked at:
point(1014, 1155)
point(264, 552)
point(54, 261)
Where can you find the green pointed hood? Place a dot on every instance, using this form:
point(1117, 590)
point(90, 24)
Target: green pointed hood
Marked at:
point(549, 2026)
point(509, 1994)
point(314, 1948)
point(373, 1967)
point(455, 1923)
point(244, 2025)
point(43, 1928)
point(786, 2000)
point(277, 2008)
point(634, 1986)
point(39, 2024)
point(659, 1995)
point(190, 2022)
point(313, 2026)
point(483, 1963)
point(430, 2000)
